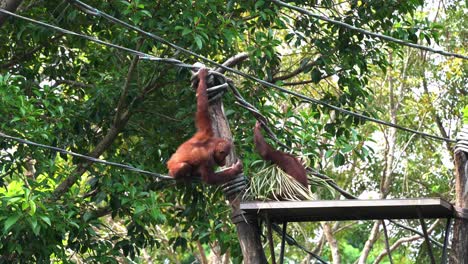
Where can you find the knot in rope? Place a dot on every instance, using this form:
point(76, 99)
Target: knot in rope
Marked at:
point(217, 83)
point(234, 187)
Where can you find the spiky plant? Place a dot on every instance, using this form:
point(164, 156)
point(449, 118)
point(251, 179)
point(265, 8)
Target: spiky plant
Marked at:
point(270, 182)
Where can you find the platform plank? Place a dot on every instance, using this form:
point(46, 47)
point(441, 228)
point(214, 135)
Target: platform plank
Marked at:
point(331, 210)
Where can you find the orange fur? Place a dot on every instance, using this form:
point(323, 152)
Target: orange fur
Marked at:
point(198, 156)
point(288, 163)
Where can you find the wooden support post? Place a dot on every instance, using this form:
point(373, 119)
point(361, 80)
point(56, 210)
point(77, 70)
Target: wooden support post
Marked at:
point(459, 253)
point(247, 231)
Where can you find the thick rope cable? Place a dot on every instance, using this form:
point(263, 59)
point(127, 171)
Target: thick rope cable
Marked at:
point(114, 164)
point(367, 32)
point(97, 12)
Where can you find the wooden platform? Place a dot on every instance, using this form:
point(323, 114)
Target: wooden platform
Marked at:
point(329, 210)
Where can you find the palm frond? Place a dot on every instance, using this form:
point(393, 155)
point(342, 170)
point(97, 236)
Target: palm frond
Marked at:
point(270, 182)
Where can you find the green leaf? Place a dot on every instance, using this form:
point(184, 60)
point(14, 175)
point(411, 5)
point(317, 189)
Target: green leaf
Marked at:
point(139, 209)
point(16, 118)
point(259, 4)
point(14, 200)
point(347, 148)
point(74, 224)
point(198, 41)
point(186, 31)
point(46, 219)
point(316, 75)
point(33, 207)
point(228, 34)
point(338, 160)
point(146, 13)
point(24, 205)
point(465, 115)
point(87, 216)
point(156, 214)
point(9, 222)
point(35, 226)
point(229, 112)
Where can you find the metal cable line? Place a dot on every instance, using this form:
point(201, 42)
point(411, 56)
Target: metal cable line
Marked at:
point(94, 11)
point(93, 39)
point(179, 63)
point(367, 32)
point(64, 151)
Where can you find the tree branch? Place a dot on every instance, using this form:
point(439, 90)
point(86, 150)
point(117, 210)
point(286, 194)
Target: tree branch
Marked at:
point(120, 120)
point(333, 244)
point(311, 81)
point(234, 60)
point(400, 241)
point(122, 100)
point(296, 71)
point(436, 116)
point(201, 251)
point(374, 235)
point(72, 83)
point(28, 55)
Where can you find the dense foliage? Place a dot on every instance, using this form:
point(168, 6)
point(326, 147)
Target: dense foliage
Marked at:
point(64, 91)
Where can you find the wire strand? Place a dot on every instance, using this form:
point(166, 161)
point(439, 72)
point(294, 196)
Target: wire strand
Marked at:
point(114, 164)
point(142, 55)
point(181, 64)
point(246, 105)
point(367, 32)
point(245, 75)
point(292, 241)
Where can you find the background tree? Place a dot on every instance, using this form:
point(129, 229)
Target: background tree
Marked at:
point(64, 91)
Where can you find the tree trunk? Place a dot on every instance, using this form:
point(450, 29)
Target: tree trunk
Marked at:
point(9, 5)
point(332, 243)
point(459, 254)
point(247, 232)
point(374, 235)
point(395, 97)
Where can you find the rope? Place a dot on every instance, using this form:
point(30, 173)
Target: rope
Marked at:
point(387, 243)
point(181, 64)
point(461, 213)
point(142, 55)
point(462, 140)
point(247, 76)
point(242, 103)
point(366, 32)
point(119, 165)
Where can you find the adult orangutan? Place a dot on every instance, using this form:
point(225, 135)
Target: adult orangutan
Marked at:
point(198, 156)
point(288, 163)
